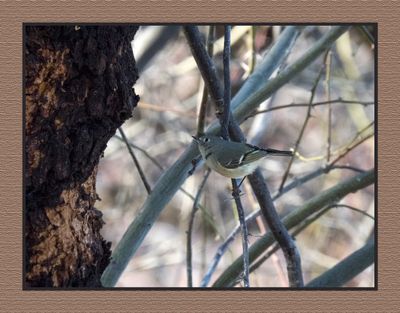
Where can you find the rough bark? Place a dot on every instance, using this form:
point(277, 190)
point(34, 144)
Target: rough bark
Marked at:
point(78, 90)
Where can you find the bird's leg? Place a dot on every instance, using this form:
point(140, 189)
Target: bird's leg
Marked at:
point(194, 164)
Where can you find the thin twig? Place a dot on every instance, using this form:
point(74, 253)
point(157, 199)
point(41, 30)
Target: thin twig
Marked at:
point(141, 173)
point(297, 231)
point(203, 247)
point(252, 216)
point(205, 65)
point(249, 103)
point(152, 159)
point(208, 216)
point(266, 67)
point(225, 134)
point(300, 105)
point(354, 209)
point(306, 119)
point(245, 233)
point(224, 120)
point(296, 217)
point(220, 252)
point(170, 181)
point(256, 180)
point(328, 65)
point(207, 69)
point(364, 30)
point(190, 229)
point(351, 146)
point(278, 230)
point(203, 104)
point(253, 30)
point(341, 151)
point(303, 226)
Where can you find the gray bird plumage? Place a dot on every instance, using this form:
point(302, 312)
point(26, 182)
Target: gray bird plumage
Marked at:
point(232, 159)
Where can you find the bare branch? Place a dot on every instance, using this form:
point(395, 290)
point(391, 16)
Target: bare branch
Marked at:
point(203, 104)
point(300, 105)
point(256, 180)
point(312, 206)
point(190, 229)
point(308, 115)
point(135, 160)
point(172, 178)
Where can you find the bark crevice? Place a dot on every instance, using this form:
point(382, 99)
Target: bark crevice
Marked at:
point(78, 91)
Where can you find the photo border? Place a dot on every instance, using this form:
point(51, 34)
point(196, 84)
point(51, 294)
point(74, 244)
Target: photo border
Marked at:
point(15, 14)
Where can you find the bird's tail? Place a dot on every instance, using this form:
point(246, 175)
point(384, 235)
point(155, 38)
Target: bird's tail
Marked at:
point(278, 152)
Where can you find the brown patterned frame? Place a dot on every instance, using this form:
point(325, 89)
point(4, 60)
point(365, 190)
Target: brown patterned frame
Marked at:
point(14, 13)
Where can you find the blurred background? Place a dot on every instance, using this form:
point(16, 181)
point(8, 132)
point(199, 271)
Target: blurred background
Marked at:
point(170, 88)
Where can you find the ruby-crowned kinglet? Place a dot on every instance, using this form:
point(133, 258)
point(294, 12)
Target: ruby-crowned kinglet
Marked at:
point(232, 159)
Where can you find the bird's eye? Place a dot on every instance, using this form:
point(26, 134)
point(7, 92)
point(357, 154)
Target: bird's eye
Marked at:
point(206, 139)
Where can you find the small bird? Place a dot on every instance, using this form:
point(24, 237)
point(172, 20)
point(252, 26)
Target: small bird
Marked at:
point(233, 159)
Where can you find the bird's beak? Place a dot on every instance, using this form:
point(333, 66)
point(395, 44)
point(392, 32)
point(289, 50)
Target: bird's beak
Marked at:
point(195, 138)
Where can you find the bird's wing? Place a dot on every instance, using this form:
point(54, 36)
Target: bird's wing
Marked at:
point(234, 157)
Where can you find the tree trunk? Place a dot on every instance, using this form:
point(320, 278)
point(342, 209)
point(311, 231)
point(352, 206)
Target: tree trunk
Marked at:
point(78, 90)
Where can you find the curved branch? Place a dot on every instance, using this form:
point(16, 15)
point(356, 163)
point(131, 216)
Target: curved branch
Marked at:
point(174, 177)
point(256, 180)
point(312, 206)
point(347, 269)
